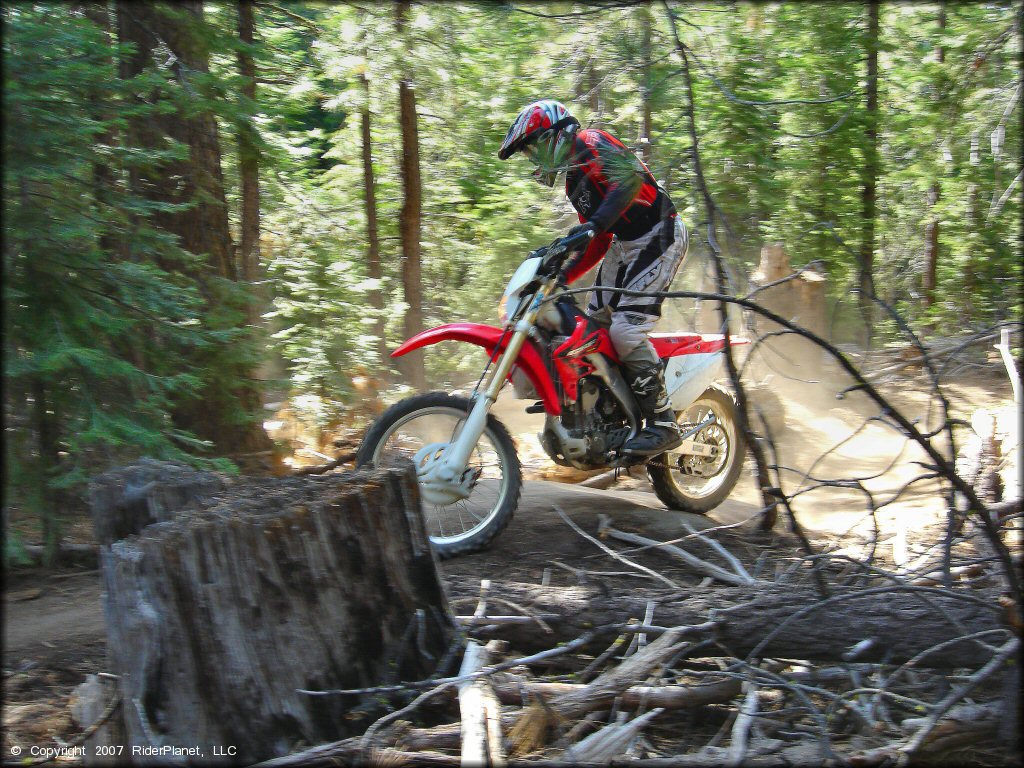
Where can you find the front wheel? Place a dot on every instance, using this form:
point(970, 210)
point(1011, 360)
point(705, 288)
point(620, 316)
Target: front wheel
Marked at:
point(494, 475)
point(699, 482)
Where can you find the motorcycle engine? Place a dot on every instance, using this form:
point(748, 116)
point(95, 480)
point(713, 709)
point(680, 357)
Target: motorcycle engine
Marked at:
point(596, 419)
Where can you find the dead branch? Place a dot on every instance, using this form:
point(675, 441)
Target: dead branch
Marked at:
point(1006, 652)
point(610, 742)
point(481, 712)
point(613, 553)
point(736, 579)
point(726, 555)
point(530, 731)
point(345, 458)
point(663, 696)
point(741, 726)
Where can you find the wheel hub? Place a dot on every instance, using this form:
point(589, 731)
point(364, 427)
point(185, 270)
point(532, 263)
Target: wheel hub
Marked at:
point(707, 454)
point(440, 485)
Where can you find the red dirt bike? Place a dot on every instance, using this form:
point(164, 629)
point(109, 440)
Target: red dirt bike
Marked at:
point(470, 477)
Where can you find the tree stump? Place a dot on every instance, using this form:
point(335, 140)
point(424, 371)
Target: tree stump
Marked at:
point(218, 614)
point(126, 500)
point(800, 300)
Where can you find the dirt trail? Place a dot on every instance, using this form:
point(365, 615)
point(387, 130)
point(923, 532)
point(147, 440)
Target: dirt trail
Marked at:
point(40, 612)
point(54, 612)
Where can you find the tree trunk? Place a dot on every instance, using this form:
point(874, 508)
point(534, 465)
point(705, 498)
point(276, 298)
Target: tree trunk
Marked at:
point(646, 23)
point(220, 614)
point(593, 88)
point(249, 167)
point(412, 212)
point(801, 299)
point(373, 264)
point(904, 623)
point(45, 425)
point(931, 232)
point(103, 176)
point(202, 228)
point(870, 176)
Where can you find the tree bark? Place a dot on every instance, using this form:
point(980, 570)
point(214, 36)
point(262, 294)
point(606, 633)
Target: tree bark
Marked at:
point(870, 176)
point(45, 425)
point(219, 614)
point(373, 265)
point(411, 216)
point(646, 20)
point(931, 233)
point(249, 167)
point(904, 623)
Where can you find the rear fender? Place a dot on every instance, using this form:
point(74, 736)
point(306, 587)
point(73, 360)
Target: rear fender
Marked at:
point(675, 344)
point(692, 364)
point(529, 361)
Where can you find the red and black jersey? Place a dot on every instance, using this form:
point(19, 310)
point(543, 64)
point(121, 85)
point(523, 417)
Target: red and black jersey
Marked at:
point(610, 187)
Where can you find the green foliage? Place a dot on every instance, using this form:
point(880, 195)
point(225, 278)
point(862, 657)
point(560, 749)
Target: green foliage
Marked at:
point(786, 168)
point(99, 306)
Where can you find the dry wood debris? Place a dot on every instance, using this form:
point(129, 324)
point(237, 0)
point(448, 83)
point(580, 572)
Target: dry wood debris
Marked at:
point(584, 692)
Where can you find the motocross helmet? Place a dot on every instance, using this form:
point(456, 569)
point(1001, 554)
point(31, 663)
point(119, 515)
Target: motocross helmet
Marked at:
point(543, 131)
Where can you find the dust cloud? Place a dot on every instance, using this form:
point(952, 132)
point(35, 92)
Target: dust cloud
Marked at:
point(847, 467)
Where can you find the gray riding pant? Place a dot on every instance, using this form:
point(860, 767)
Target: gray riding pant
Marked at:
point(646, 264)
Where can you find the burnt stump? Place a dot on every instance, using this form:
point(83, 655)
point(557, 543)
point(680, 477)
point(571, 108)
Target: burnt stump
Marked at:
point(219, 612)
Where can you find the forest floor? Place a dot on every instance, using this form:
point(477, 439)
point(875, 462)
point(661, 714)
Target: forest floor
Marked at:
point(53, 629)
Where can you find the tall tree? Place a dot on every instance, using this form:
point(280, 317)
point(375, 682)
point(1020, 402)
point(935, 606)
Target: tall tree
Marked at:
point(870, 175)
point(646, 21)
point(249, 161)
point(190, 190)
point(931, 235)
point(89, 315)
point(410, 219)
point(373, 265)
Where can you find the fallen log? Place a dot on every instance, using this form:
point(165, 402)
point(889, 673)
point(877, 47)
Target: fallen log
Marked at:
point(784, 621)
point(216, 617)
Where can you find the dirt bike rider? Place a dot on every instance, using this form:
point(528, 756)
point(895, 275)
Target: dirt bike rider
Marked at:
point(637, 233)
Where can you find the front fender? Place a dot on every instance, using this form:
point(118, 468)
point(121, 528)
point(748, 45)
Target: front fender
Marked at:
point(487, 336)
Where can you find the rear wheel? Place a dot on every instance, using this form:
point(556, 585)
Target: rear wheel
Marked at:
point(700, 482)
point(494, 473)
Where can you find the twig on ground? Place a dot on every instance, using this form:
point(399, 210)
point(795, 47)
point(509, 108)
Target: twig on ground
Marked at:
point(692, 560)
point(733, 561)
point(613, 553)
point(1007, 651)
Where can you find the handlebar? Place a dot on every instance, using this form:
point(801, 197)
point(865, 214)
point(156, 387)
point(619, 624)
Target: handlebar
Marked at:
point(561, 249)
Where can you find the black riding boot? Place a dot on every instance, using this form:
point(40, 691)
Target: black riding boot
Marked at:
point(660, 432)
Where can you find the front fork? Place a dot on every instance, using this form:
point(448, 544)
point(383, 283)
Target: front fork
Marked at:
point(446, 474)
